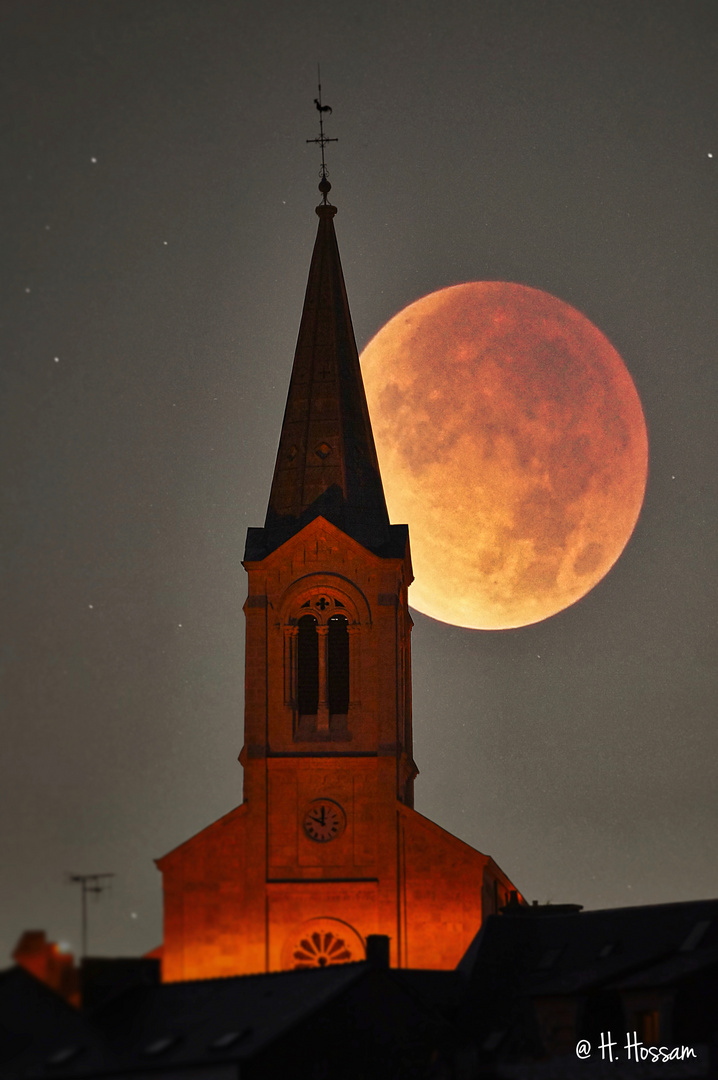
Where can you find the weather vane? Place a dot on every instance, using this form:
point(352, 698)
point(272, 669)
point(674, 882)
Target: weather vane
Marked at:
point(324, 185)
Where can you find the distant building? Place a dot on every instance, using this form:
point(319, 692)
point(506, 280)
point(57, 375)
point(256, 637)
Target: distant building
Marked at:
point(536, 985)
point(326, 848)
point(542, 979)
point(49, 963)
point(349, 1021)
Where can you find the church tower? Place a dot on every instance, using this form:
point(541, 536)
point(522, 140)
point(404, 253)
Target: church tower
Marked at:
point(326, 847)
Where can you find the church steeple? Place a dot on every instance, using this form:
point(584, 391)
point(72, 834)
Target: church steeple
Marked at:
point(326, 848)
point(326, 464)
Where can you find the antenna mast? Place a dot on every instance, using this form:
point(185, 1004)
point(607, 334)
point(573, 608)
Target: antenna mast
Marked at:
point(90, 883)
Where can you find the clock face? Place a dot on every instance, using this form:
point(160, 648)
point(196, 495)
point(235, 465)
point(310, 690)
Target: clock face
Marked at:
point(324, 820)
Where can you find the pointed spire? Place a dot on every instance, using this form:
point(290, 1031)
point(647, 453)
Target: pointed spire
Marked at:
point(326, 462)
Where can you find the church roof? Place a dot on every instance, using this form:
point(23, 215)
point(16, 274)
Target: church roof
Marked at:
point(326, 463)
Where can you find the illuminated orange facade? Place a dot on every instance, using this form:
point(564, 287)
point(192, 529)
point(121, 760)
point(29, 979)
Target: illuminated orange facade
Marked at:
point(326, 847)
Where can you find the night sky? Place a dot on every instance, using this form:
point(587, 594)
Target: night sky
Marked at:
point(158, 217)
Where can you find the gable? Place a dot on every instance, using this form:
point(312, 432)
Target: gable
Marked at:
point(321, 532)
point(226, 835)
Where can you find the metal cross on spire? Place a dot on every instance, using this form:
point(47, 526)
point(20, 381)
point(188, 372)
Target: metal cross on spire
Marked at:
point(322, 140)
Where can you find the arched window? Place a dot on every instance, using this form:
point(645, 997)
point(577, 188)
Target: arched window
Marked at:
point(338, 666)
point(307, 666)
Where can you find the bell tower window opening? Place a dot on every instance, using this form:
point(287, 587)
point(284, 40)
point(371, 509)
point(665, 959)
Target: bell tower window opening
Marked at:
point(307, 666)
point(338, 666)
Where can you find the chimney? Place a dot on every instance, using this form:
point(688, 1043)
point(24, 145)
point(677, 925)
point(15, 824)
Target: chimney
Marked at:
point(49, 963)
point(377, 950)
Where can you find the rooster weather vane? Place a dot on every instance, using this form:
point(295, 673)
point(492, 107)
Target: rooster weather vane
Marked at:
point(322, 140)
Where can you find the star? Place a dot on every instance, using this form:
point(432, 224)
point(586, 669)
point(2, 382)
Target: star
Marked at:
point(93, 160)
point(57, 359)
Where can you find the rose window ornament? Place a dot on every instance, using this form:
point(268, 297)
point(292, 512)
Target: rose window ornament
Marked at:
point(321, 950)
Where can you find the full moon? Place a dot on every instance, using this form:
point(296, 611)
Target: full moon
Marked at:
point(511, 439)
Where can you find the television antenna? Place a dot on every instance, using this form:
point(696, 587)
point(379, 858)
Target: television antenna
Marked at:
point(89, 883)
